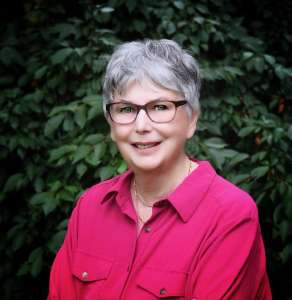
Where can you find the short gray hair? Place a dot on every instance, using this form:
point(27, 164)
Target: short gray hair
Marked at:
point(163, 62)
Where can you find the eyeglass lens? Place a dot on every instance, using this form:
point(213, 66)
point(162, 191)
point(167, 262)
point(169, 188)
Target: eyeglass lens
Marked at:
point(157, 111)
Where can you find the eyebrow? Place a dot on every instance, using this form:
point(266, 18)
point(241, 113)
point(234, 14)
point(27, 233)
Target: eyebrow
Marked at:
point(130, 102)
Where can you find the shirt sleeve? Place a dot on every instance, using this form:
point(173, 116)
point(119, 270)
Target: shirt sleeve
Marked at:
point(232, 265)
point(61, 286)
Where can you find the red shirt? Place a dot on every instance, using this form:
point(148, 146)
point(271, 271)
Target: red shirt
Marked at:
point(203, 242)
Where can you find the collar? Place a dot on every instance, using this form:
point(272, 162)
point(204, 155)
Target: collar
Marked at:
point(186, 197)
point(191, 192)
point(119, 188)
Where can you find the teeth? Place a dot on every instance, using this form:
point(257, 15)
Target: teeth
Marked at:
point(144, 146)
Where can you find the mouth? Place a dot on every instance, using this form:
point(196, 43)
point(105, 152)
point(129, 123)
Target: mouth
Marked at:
point(145, 145)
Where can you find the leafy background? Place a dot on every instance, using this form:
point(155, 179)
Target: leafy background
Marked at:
point(54, 140)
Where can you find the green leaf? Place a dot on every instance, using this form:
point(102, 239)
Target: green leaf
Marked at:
point(217, 158)
point(10, 56)
point(65, 29)
point(278, 214)
point(41, 72)
point(61, 109)
point(99, 150)
point(93, 112)
point(68, 124)
point(24, 269)
point(285, 229)
point(259, 171)
point(80, 116)
point(93, 139)
point(39, 184)
point(286, 254)
point(216, 143)
point(53, 124)
point(15, 182)
point(233, 70)
point(288, 202)
point(81, 51)
point(246, 131)
point(36, 261)
point(270, 59)
point(122, 167)
point(214, 129)
point(56, 154)
point(202, 8)
point(41, 198)
point(60, 56)
point(232, 100)
point(280, 72)
point(81, 169)
point(179, 4)
point(50, 205)
point(131, 4)
point(199, 20)
point(289, 132)
point(238, 158)
point(107, 9)
point(259, 64)
point(18, 241)
point(106, 172)
point(93, 100)
point(56, 241)
point(81, 152)
point(247, 55)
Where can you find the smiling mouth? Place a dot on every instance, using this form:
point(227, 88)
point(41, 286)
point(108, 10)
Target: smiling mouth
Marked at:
point(145, 146)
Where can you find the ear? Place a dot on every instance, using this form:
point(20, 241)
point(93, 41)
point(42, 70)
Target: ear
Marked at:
point(113, 136)
point(112, 130)
point(192, 124)
point(110, 123)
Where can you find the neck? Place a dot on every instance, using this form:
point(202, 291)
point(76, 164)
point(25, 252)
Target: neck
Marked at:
point(151, 186)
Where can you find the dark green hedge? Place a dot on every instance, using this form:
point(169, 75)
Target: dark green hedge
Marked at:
point(54, 140)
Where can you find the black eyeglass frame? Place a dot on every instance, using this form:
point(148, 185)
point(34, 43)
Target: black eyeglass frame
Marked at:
point(176, 103)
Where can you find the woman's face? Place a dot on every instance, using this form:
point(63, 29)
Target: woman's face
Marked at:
point(146, 145)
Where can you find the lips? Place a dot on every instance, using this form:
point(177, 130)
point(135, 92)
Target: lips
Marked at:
point(146, 145)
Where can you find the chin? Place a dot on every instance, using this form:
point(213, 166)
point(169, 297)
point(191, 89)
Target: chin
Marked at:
point(145, 166)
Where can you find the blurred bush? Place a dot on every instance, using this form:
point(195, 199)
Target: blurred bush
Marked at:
point(54, 139)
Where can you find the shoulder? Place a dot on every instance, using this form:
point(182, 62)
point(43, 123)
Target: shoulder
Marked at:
point(222, 197)
point(232, 200)
point(98, 192)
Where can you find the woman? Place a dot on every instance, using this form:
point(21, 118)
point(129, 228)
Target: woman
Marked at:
point(170, 227)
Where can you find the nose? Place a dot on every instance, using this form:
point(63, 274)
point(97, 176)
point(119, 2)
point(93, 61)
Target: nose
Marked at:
point(142, 122)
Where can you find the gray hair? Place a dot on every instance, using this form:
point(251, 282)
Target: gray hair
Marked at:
point(163, 62)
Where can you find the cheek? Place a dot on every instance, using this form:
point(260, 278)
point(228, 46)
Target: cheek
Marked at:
point(119, 134)
point(179, 130)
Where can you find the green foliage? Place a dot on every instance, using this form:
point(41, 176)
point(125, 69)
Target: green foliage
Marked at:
point(54, 138)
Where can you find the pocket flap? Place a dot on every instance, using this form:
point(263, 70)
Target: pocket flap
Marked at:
point(162, 284)
point(87, 267)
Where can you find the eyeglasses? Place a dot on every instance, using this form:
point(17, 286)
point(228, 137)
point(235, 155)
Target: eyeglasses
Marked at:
point(158, 111)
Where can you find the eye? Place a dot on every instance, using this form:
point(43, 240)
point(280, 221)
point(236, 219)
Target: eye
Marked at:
point(124, 108)
point(160, 107)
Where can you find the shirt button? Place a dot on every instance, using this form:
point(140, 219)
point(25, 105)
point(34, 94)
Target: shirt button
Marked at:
point(84, 275)
point(162, 291)
point(147, 229)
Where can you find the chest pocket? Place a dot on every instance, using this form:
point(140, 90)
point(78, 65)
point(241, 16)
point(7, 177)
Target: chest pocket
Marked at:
point(88, 268)
point(163, 284)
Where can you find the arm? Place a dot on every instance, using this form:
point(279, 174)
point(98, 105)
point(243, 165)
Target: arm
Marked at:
point(61, 285)
point(233, 264)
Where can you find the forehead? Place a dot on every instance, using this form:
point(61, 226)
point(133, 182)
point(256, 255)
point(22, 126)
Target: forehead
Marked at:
point(143, 92)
